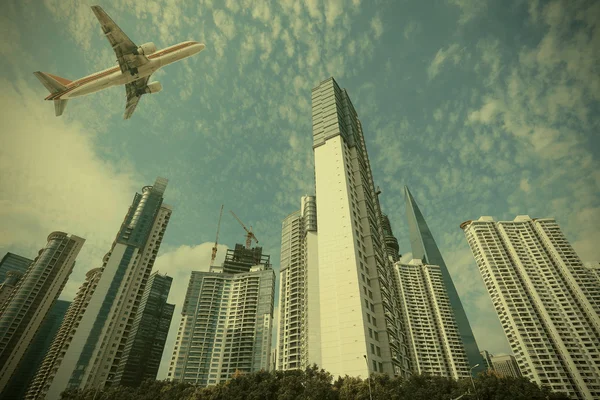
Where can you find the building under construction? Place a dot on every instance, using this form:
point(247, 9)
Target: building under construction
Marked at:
point(241, 259)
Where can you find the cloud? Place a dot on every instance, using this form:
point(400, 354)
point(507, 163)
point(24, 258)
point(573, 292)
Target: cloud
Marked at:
point(452, 53)
point(179, 264)
point(225, 23)
point(377, 26)
point(411, 29)
point(469, 9)
point(524, 185)
point(54, 179)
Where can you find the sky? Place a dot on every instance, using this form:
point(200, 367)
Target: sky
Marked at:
point(481, 107)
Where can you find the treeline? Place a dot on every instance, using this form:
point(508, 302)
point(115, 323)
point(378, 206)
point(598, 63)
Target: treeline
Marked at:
point(317, 384)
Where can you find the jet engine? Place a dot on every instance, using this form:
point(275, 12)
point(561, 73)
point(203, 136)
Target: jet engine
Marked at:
point(153, 87)
point(145, 49)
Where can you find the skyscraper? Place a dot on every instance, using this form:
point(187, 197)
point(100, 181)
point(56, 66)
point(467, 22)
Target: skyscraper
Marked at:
point(424, 248)
point(298, 336)
point(225, 326)
point(13, 262)
point(145, 345)
point(548, 304)
point(356, 277)
point(391, 243)
point(10, 282)
point(435, 344)
point(29, 303)
point(97, 347)
point(506, 366)
point(63, 338)
point(36, 351)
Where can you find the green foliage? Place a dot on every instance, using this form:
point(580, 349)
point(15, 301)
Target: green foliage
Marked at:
point(316, 384)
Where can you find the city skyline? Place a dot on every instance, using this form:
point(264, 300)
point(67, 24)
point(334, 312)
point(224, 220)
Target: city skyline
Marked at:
point(438, 97)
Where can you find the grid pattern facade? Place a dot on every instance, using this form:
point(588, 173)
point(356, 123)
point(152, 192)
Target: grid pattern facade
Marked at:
point(506, 366)
point(356, 276)
point(98, 345)
point(298, 340)
point(11, 280)
point(31, 300)
point(548, 304)
point(145, 345)
point(425, 248)
point(435, 344)
point(225, 327)
point(13, 262)
point(45, 373)
point(33, 357)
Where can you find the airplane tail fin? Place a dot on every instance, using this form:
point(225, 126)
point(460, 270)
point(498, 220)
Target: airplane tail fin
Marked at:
point(59, 106)
point(52, 82)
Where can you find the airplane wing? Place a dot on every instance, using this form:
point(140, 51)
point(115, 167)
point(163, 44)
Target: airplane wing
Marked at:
point(134, 94)
point(123, 46)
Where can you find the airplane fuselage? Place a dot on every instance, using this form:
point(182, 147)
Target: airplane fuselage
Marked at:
point(113, 76)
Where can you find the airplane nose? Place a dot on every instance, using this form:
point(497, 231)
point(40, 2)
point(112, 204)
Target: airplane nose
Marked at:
point(198, 47)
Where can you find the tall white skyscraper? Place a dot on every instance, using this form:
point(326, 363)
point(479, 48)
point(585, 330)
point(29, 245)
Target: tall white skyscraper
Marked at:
point(356, 277)
point(94, 354)
point(547, 302)
point(298, 340)
point(31, 300)
point(436, 347)
point(226, 322)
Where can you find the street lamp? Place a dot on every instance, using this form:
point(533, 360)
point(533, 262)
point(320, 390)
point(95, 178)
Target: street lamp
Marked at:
point(472, 381)
point(368, 377)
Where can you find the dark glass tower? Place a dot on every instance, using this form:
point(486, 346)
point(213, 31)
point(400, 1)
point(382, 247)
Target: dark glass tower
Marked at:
point(13, 262)
point(424, 248)
point(145, 345)
point(36, 351)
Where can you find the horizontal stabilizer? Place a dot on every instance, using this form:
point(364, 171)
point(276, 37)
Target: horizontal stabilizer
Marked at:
point(53, 83)
point(59, 106)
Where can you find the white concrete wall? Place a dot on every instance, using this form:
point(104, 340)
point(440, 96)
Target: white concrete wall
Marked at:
point(342, 326)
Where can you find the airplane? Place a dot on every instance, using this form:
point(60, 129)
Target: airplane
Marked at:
point(136, 64)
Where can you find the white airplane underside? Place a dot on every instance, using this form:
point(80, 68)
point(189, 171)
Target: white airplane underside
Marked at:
point(136, 64)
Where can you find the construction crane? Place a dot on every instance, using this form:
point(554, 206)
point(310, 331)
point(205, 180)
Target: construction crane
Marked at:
point(249, 233)
point(214, 249)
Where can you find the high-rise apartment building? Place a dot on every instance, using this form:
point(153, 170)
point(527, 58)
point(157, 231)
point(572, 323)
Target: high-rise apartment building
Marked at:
point(424, 248)
point(97, 347)
point(145, 345)
point(594, 270)
point(63, 338)
point(487, 358)
point(31, 300)
point(435, 344)
point(547, 302)
point(298, 336)
point(226, 325)
point(391, 243)
point(506, 366)
point(9, 284)
point(356, 277)
point(33, 357)
point(13, 262)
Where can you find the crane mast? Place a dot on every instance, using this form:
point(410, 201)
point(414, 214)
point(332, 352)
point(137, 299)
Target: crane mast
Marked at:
point(214, 249)
point(249, 234)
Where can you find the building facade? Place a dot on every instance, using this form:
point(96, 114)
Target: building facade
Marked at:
point(424, 248)
point(487, 358)
point(298, 336)
point(506, 366)
point(9, 284)
point(436, 347)
point(97, 347)
point(33, 357)
point(356, 276)
point(30, 302)
point(145, 345)
point(13, 262)
point(547, 302)
point(63, 338)
point(226, 325)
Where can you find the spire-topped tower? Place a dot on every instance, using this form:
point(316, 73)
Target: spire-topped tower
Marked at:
point(424, 248)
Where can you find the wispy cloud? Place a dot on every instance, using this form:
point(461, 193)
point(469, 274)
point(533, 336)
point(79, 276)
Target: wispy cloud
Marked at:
point(452, 53)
